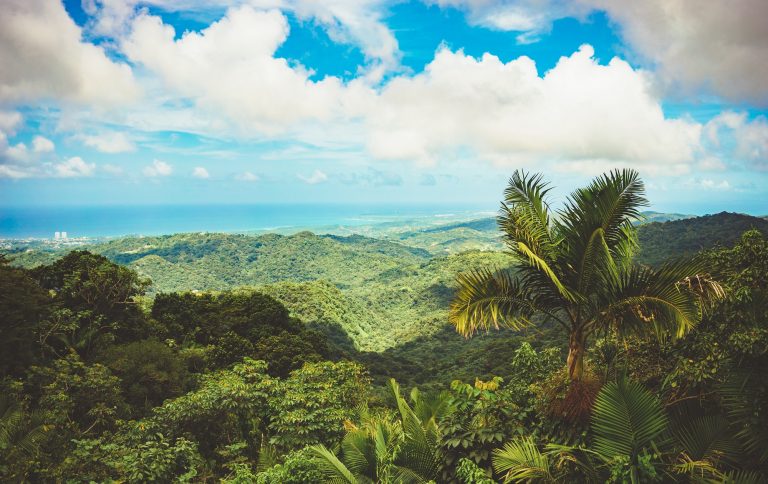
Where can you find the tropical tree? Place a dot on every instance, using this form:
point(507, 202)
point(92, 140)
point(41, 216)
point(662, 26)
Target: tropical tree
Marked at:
point(384, 449)
point(633, 440)
point(574, 268)
point(20, 435)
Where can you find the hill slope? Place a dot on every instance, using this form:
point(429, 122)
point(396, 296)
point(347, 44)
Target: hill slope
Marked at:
point(683, 238)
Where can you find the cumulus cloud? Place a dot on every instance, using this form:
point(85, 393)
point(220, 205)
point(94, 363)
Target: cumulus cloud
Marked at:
point(709, 184)
point(580, 111)
point(356, 22)
point(41, 144)
point(16, 160)
point(43, 57)
point(529, 17)
point(247, 177)
point(74, 167)
point(157, 169)
point(109, 142)
point(201, 173)
point(9, 121)
point(316, 177)
point(734, 136)
point(721, 46)
point(230, 68)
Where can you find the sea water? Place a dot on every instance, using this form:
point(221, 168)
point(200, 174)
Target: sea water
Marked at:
point(113, 221)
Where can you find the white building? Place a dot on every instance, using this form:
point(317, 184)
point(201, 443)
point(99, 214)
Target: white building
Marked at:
point(63, 235)
point(57, 235)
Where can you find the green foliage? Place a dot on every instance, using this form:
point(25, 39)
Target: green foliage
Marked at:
point(229, 406)
point(149, 373)
point(154, 459)
point(76, 396)
point(628, 421)
point(90, 353)
point(207, 316)
point(469, 473)
point(484, 416)
point(381, 449)
point(660, 242)
point(83, 281)
point(311, 406)
point(23, 305)
point(21, 433)
point(521, 461)
point(298, 467)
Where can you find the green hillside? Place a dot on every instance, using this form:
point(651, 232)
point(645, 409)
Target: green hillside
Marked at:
point(682, 238)
point(366, 294)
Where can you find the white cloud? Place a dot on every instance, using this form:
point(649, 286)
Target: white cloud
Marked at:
point(74, 167)
point(15, 159)
point(43, 57)
point(109, 142)
point(579, 112)
point(157, 169)
point(200, 172)
point(41, 144)
point(316, 177)
point(9, 121)
point(229, 68)
point(529, 17)
point(721, 46)
point(709, 184)
point(737, 138)
point(247, 177)
point(356, 22)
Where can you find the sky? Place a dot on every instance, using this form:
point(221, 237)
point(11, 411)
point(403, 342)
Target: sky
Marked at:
point(120, 102)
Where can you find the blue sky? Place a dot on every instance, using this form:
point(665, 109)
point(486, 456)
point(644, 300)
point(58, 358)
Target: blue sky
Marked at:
point(352, 101)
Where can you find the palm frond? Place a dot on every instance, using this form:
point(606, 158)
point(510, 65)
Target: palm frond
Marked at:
point(742, 477)
point(419, 451)
point(707, 438)
point(521, 461)
point(331, 467)
point(524, 215)
point(486, 299)
point(744, 396)
point(658, 301)
point(359, 453)
point(545, 269)
point(626, 419)
point(611, 202)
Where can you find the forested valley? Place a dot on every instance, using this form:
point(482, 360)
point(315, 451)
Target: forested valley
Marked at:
point(564, 344)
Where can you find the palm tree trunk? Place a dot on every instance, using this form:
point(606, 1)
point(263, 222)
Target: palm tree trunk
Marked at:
point(576, 347)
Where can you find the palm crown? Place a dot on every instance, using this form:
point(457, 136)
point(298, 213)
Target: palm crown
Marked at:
point(574, 267)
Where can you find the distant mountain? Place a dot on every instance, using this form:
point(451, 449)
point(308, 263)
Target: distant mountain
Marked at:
point(368, 294)
point(682, 238)
point(220, 261)
point(651, 216)
point(452, 238)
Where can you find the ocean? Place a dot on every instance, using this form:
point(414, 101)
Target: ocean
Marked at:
point(115, 221)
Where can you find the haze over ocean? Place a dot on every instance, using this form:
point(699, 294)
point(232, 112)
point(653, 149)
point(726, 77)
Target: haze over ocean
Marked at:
point(113, 221)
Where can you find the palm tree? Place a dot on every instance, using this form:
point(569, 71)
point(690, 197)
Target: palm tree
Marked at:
point(381, 449)
point(21, 433)
point(574, 268)
point(632, 434)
